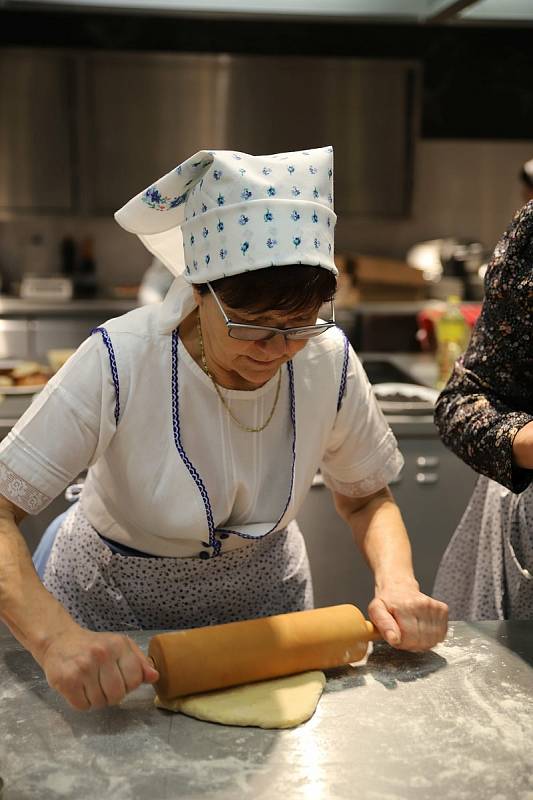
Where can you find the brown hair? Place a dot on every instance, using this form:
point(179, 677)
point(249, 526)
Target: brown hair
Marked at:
point(294, 287)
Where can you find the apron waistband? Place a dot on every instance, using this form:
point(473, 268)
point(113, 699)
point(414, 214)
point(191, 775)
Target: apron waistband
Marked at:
point(124, 550)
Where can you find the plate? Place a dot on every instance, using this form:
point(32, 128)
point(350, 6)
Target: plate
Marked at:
point(12, 363)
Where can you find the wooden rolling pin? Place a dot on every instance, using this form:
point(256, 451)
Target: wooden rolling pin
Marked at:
point(204, 659)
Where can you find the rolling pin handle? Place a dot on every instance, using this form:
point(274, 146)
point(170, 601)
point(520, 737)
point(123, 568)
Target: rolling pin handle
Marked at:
point(373, 633)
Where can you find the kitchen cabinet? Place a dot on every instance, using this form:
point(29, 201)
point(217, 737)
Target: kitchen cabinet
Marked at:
point(32, 338)
point(142, 115)
point(339, 572)
point(28, 329)
point(85, 131)
point(14, 338)
point(364, 113)
point(145, 113)
point(50, 334)
point(432, 493)
point(36, 143)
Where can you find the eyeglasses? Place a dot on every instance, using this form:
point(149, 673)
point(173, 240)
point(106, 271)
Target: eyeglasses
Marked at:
point(260, 333)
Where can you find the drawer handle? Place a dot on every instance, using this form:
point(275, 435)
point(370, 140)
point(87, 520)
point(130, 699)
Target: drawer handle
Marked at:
point(427, 461)
point(427, 477)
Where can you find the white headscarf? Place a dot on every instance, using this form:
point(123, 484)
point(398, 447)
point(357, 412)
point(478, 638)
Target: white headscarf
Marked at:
point(222, 213)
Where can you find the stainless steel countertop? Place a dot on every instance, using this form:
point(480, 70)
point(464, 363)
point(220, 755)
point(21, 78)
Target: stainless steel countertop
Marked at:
point(18, 307)
point(450, 724)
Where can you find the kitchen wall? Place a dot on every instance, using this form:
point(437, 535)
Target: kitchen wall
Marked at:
point(476, 104)
point(463, 188)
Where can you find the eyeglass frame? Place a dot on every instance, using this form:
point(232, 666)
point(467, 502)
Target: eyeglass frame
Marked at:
point(287, 333)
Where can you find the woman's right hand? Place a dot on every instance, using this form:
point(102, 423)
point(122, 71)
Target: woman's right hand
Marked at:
point(523, 447)
point(91, 670)
point(94, 670)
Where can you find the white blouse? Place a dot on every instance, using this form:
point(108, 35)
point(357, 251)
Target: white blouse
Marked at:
point(168, 468)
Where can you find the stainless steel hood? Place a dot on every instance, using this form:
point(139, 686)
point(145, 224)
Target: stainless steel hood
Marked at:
point(84, 132)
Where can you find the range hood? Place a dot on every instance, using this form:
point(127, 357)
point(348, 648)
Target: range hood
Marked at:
point(84, 132)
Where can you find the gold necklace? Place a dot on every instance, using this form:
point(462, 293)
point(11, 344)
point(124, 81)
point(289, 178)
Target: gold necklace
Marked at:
point(221, 396)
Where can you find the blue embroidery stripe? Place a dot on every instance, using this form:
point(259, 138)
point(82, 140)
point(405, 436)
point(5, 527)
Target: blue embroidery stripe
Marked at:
point(213, 542)
point(342, 387)
point(113, 366)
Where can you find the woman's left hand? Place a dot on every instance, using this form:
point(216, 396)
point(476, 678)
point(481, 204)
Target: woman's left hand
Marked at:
point(408, 619)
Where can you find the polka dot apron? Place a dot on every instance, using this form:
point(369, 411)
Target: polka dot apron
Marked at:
point(487, 570)
point(106, 591)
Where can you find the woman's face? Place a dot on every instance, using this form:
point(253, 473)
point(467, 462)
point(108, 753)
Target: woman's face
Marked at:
point(254, 363)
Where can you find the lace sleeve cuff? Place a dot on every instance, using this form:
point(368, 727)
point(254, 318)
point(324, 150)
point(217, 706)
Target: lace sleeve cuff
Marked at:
point(22, 493)
point(370, 483)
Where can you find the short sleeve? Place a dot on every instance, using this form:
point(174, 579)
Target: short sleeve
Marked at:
point(66, 428)
point(362, 454)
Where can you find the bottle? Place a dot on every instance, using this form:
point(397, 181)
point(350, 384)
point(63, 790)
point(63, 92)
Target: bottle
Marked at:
point(452, 339)
point(68, 256)
point(85, 278)
point(35, 256)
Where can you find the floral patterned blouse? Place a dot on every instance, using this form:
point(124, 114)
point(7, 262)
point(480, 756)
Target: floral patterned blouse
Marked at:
point(489, 396)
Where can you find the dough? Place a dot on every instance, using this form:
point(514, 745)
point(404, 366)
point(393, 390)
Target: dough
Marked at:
point(279, 703)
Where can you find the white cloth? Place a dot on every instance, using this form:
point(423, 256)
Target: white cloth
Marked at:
point(138, 491)
point(222, 213)
point(104, 591)
point(155, 283)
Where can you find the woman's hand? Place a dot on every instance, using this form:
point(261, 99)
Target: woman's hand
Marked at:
point(408, 619)
point(91, 670)
point(94, 670)
point(404, 617)
point(523, 447)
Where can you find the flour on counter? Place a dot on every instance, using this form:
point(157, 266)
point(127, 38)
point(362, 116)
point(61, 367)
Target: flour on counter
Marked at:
point(451, 724)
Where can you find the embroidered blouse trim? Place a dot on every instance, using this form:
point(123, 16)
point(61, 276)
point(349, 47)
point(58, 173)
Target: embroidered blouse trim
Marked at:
point(22, 493)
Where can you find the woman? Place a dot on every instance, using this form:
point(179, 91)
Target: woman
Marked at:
point(203, 421)
point(485, 414)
